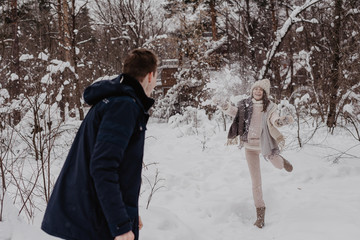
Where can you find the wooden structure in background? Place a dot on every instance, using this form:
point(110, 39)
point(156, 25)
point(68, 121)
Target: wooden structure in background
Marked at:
point(166, 75)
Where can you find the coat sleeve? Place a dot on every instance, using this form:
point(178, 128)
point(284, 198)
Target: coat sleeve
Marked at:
point(278, 121)
point(238, 125)
point(231, 110)
point(234, 128)
point(115, 130)
point(274, 116)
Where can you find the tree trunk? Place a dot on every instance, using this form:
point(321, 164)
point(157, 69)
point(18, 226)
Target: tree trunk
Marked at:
point(251, 31)
point(76, 79)
point(335, 71)
point(67, 33)
point(60, 25)
point(15, 48)
point(15, 86)
point(273, 17)
point(290, 61)
point(213, 19)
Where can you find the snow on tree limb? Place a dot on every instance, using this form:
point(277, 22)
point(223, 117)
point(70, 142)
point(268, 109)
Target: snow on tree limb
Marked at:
point(215, 45)
point(281, 33)
point(348, 93)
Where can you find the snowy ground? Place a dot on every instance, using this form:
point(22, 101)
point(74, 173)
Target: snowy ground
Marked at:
point(206, 194)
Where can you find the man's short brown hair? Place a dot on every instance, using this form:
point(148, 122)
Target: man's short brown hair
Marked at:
point(140, 62)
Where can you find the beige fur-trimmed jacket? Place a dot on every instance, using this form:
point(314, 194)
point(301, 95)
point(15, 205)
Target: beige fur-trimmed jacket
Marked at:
point(271, 138)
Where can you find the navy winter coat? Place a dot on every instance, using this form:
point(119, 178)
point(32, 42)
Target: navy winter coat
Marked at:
point(96, 194)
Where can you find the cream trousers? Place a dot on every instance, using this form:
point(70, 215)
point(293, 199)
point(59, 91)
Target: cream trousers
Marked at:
point(253, 160)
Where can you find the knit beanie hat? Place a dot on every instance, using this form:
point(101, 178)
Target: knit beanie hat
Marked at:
point(264, 84)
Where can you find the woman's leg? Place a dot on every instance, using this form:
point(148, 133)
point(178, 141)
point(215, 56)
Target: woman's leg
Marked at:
point(253, 160)
point(277, 161)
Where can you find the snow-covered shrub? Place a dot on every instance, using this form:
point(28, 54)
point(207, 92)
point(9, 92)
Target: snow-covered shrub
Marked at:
point(351, 111)
point(302, 107)
point(37, 142)
point(188, 91)
point(194, 122)
point(226, 84)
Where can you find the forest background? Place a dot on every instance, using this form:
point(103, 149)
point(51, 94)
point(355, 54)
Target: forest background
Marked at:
point(51, 50)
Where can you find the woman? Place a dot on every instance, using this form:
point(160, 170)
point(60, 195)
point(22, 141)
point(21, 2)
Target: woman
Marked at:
point(256, 121)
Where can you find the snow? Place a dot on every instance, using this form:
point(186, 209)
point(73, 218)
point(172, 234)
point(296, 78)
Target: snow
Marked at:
point(299, 29)
point(4, 93)
point(208, 193)
point(304, 99)
point(55, 67)
point(206, 190)
point(26, 57)
point(214, 45)
point(43, 56)
point(59, 66)
point(46, 79)
point(314, 20)
point(349, 108)
point(353, 11)
point(14, 77)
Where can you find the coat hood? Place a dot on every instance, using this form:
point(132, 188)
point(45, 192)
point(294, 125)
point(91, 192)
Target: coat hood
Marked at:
point(119, 86)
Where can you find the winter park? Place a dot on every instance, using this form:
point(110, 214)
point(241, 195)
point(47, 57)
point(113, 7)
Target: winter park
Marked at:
point(180, 119)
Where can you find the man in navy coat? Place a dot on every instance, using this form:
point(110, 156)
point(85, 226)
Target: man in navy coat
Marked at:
point(96, 194)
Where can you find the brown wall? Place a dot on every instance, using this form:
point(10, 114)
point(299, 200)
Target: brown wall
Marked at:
point(167, 77)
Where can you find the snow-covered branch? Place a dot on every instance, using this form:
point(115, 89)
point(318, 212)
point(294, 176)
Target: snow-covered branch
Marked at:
point(214, 45)
point(281, 33)
point(352, 12)
point(85, 41)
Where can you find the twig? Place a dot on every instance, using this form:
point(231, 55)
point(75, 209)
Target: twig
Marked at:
point(154, 187)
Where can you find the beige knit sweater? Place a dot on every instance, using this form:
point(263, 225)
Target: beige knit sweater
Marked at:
point(255, 124)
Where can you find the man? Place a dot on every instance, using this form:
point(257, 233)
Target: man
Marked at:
point(96, 194)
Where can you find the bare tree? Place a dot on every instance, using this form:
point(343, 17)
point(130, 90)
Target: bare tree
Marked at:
point(154, 186)
point(6, 136)
point(41, 141)
point(213, 19)
point(335, 71)
point(67, 20)
point(67, 34)
point(15, 47)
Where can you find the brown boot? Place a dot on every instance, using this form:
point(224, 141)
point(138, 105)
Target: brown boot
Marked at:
point(260, 221)
point(287, 165)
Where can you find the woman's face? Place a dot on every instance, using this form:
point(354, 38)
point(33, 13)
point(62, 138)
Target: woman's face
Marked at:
point(258, 93)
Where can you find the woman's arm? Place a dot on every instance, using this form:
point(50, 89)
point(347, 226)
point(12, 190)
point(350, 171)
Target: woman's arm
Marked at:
point(228, 109)
point(274, 117)
point(278, 121)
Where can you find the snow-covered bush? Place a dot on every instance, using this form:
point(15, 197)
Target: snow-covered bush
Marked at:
point(28, 152)
point(351, 111)
point(304, 110)
point(229, 83)
point(188, 91)
point(194, 121)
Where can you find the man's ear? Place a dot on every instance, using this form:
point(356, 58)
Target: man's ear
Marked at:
point(151, 76)
point(148, 77)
